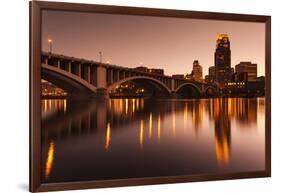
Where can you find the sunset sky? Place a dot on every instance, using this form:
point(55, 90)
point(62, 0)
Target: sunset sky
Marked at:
point(154, 42)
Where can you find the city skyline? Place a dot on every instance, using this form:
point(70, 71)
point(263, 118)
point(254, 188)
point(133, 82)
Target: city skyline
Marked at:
point(133, 41)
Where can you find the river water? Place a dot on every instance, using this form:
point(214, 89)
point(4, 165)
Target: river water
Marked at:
point(129, 138)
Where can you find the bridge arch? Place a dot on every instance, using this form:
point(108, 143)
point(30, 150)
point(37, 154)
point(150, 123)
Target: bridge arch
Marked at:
point(152, 81)
point(67, 81)
point(210, 91)
point(188, 89)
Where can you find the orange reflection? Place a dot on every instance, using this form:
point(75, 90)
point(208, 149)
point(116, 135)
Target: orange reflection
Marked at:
point(64, 105)
point(222, 152)
point(159, 128)
point(137, 104)
point(57, 104)
point(126, 106)
point(107, 137)
point(197, 115)
point(150, 125)
point(244, 110)
point(45, 107)
point(133, 108)
point(222, 130)
point(141, 134)
point(121, 105)
point(142, 103)
point(49, 104)
point(50, 159)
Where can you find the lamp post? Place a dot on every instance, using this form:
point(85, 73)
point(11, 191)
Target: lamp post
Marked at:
point(50, 45)
point(100, 53)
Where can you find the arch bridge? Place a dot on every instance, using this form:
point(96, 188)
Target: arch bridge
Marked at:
point(87, 77)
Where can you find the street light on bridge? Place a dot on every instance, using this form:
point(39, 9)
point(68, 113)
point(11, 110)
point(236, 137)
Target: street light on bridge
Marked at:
point(100, 53)
point(50, 45)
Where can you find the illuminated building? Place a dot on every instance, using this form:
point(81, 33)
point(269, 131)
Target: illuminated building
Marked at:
point(127, 89)
point(50, 90)
point(244, 81)
point(246, 71)
point(223, 59)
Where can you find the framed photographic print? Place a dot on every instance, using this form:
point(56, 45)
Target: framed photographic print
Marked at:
point(123, 96)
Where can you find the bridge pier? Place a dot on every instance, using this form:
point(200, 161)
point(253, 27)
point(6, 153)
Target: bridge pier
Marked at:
point(68, 67)
point(101, 115)
point(102, 83)
point(58, 63)
point(88, 73)
point(79, 70)
point(93, 75)
point(116, 76)
point(123, 75)
point(173, 85)
point(110, 76)
point(174, 95)
point(102, 93)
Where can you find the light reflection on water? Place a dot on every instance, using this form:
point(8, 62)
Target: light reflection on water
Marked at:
point(49, 160)
point(107, 137)
point(123, 138)
point(50, 107)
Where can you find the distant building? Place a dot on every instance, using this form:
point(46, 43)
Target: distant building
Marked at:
point(211, 74)
point(223, 59)
point(46, 86)
point(261, 79)
point(232, 71)
point(151, 70)
point(141, 68)
point(246, 71)
point(188, 76)
point(156, 71)
point(178, 76)
point(50, 90)
point(207, 78)
point(197, 74)
point(241, 77)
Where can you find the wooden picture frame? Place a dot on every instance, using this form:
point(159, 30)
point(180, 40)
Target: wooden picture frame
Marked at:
point(36, 8)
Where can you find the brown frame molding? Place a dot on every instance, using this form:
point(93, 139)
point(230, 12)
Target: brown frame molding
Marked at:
point(36, 8)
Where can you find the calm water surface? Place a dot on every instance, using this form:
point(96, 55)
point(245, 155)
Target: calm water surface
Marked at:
point(127, 138)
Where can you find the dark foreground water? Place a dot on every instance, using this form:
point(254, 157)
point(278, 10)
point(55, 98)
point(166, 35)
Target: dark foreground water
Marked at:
point(128, 138)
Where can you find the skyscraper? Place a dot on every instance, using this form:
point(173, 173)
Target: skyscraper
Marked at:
point(197, 71)
point(223, 59)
